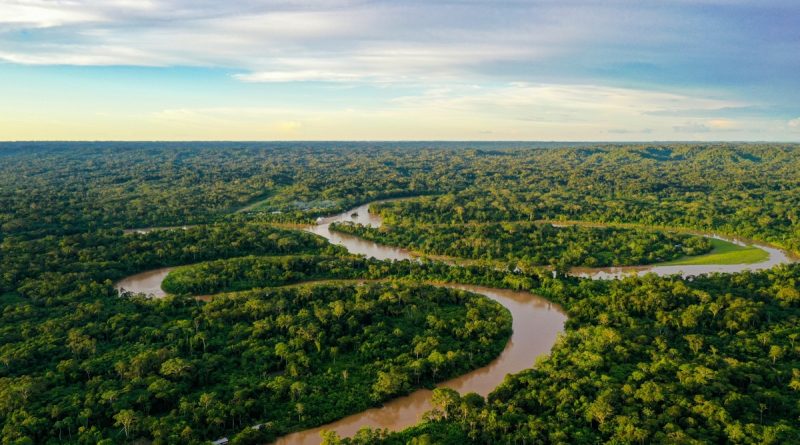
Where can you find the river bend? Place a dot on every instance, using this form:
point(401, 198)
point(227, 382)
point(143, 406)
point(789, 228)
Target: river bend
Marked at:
point(536, 324)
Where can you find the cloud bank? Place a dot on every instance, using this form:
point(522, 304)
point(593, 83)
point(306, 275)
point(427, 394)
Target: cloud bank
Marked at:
point(705, 68)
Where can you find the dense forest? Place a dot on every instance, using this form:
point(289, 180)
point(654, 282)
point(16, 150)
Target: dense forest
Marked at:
point(751, 190)
point(712, 359)
point(178, 371)
point(33, 266)
point(536, 244)
point(647, 360)
point(82, 364)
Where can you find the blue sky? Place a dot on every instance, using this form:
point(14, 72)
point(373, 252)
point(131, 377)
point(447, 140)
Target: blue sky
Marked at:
point(400, 70)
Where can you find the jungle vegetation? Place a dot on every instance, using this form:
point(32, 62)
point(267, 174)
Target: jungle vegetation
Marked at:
point(536, 244)
point(179, 371)
point(714, 359)
point(646, 360)
point(752, 190)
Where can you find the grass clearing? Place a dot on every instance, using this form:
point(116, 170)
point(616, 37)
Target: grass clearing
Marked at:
point(259, 203)
point(723, 252)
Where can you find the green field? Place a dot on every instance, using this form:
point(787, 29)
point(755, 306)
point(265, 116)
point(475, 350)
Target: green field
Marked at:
point(724, 252)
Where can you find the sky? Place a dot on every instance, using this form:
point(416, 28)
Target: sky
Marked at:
point(561, 70)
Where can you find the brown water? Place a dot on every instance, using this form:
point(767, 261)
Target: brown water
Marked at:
point(148, 283)
point(354, 244)
point(536, 325)
point(776, 257)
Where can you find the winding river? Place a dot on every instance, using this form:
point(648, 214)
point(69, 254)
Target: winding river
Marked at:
point(536, 324)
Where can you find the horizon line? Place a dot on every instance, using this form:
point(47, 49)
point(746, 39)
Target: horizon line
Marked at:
point(522, 141)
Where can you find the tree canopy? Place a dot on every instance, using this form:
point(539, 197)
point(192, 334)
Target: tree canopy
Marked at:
point(712, 359)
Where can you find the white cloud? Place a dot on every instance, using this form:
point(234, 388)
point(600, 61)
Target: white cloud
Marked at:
point(691, 128)
point(722, 124)
point(450, 61)
point(274, 40)
point(553, 102)
point(511, 111)
point(447, 113)
point(366, 40)
point(90, 56)
point(299, 76)
point(43, 14)
point(381, 62)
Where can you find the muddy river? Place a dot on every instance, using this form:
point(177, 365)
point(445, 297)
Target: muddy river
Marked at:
point(536, 324)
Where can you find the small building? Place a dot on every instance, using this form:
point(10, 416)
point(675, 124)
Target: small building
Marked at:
point(222, 441)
